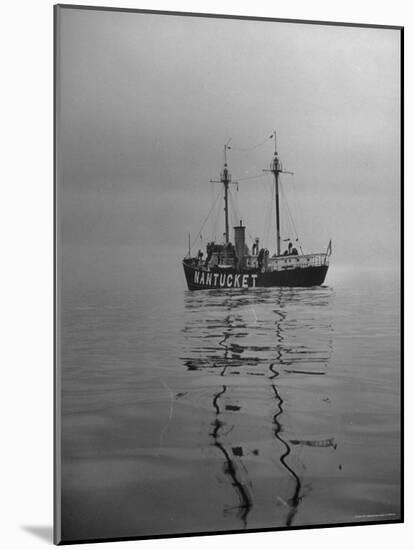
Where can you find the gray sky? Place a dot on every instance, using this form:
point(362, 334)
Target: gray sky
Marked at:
point(147, 102)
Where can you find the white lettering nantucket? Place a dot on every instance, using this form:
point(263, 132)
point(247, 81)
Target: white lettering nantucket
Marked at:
point(225, 280)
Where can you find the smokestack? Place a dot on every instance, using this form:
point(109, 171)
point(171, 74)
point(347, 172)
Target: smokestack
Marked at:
point(239, 242)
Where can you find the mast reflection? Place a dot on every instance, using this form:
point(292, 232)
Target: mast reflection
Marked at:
point(232, 334)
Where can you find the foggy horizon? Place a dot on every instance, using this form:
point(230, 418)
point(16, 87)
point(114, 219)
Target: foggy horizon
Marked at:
point(148, 101)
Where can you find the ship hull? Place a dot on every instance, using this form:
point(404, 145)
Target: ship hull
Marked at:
point(200, 279)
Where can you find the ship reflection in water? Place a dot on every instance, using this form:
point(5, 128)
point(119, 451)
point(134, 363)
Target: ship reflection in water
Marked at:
point(254, 351)
point(229, 410)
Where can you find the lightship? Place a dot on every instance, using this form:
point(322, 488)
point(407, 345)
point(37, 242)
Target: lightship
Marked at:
point(233, 265)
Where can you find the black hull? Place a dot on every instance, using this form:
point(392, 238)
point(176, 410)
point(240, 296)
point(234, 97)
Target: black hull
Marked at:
point(199, 279)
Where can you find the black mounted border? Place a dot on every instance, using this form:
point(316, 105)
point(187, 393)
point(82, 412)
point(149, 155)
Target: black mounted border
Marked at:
point(56, 304)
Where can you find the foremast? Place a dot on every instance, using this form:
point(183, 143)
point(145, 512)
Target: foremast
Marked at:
point(225, 179)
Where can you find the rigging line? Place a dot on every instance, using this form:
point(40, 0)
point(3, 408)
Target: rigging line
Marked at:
point(251, 148)
point(235, 196)
point(205, 220)
point(214, 228)
point(233, 213)
point(287, 231)
point(288, 220)
point(250, 236)
point(296, 199)
point(269, 213)
point(266, 219)
point(235, 210)
point(291, 218)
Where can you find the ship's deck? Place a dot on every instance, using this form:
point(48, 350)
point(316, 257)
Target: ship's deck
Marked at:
point(282, 263)
point(274, 263)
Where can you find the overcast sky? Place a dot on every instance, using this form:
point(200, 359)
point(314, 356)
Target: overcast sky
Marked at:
point(146, 103)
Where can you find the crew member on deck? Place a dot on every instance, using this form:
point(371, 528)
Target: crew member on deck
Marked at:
point(260, 258)
point(255, 247)
point(209, 252)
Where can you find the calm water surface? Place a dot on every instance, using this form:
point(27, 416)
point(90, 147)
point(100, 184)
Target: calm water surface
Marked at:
point(222, 410)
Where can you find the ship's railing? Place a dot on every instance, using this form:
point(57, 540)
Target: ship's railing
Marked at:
point(275, 263)
point(282, 263)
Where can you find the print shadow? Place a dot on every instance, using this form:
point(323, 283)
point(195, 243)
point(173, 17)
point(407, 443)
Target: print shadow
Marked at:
point(43, 532)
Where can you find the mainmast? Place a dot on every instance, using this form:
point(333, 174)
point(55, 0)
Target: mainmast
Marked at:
point(225, 180)
point(276, 169)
